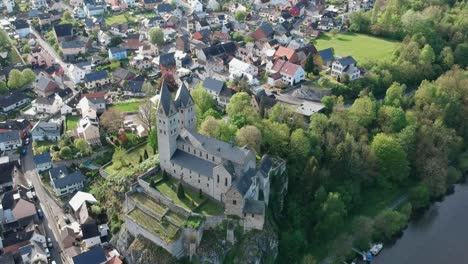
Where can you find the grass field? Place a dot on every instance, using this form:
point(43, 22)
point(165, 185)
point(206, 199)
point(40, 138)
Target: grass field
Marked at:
point(133, 106)
point(119, 19)
point(361, 47)
point(72, 122)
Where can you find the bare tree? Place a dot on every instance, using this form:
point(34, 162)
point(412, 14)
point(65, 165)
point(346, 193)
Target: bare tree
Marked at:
point(148, 114)
point(112, 120)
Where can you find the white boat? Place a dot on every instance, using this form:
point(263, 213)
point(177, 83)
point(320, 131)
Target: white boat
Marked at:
point(376, 248)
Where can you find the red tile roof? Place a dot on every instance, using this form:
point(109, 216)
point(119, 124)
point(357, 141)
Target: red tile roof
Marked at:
point(289, 68)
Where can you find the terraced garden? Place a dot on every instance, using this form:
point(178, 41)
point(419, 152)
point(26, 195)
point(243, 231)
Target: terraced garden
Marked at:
point(163, 229)
point(148, 203)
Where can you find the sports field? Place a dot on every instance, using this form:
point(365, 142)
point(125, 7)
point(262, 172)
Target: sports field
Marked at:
point(361, 47)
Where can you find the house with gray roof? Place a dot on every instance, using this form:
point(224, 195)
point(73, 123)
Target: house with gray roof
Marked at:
point(325, 57)
point(10, 140)
point(43, 161)
point(223, 171)
point(65, 182)
point(13, 101)
point(46, 130)
point(346, 66)
point(218, 90)
point(97, 78)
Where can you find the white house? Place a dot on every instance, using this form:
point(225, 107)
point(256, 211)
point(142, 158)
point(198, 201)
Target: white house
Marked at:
point(196, 5)
point(65, 182)
point(88, 129)
point(10, 140)
point(37, 4)
point(98, 104)
point(77, 72)
point(288, 72)
point(45, 131)
point(213, 5)
point(9, 5)
point(43, 161)
point(239, 68)
point(78, 12)
point(47, 105)
point(93, 10)
point(346, 66)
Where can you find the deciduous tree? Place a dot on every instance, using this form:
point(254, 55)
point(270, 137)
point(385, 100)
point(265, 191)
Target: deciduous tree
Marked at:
point(156, 36)
point(391, 158)
point(112, 120)
point(251, 136)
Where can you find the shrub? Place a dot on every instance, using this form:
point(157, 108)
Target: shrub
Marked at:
point(180, 191)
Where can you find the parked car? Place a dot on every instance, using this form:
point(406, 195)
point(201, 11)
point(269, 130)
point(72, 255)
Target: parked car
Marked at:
point(49, 243)
point(47, 251)
point(66, 219)
point(40, 214)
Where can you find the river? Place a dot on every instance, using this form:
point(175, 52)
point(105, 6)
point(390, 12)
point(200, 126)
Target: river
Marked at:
point(439, 236)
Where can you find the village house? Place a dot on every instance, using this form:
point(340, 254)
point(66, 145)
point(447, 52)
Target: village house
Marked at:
point(18, 210)
point(345, 66)
point(23, 126)
point(10, 140)
point(289, 73)
point(21, 27)
point(45, 86)
point(46, 131)
point(47, 105)
point(88, 129)
point(238, 68)
point(77, 71)
point(134, 87)
point(92, 101)
point(72, 48)
point(13, 101)
point(8, 171)
point(43, 161)
point(38, 4)
point(63, 32)
point(324, 58)
point(218, 90)
point(40, 58)
point(93, 8)
point(150, 4)
point(79, 205)
point(120, 75)
point(117, 53)
point(64, 182)
point(96, 79)
point(141, 62)
point(167, 63)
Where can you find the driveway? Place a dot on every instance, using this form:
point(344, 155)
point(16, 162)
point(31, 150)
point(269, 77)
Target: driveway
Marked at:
point(52, 211)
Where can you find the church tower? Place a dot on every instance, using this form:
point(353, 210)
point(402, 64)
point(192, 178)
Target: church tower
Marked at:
point(186, 107)
point(168, 126)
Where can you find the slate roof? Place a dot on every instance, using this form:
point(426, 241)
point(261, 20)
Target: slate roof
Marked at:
point(215, 147)
point(64, 93)
point(193, 163)
point(152, 1)
point(63, 30)
point(346, 61)
point(73, 44)
point(213, 85)
point(7, 172)
point(19, 124)
point(326, 54)
point(94, 255)
point(220, 49)
point(16, 237)
point(183, 97)
point(12, 98)
point(165, 101)
point(49, 100)
point(243, 183)
point(167, 59)
point(9, 136)
point(20, 24)
point(90, 229)
point(42, 158)
point(115, 50)
point(95, 76)
point(62, 178)
point(123, 74)
point(165, 8)
point(254, 207)
point(134, 86)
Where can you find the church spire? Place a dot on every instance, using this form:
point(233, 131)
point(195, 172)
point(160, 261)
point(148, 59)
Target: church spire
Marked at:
point(166, 104)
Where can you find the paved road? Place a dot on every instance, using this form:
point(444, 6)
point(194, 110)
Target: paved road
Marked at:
point(50, 208)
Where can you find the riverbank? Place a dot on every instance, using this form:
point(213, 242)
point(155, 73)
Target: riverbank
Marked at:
point(438, 236)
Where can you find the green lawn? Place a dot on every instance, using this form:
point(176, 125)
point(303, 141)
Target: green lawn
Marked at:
point(168, 189)
point(72, 122)
point(361, 47)
point(176, 219)
point(132, 158)
point(210, 208)
point(127, 107)
point(163, 229)
point(192, 199)
point(147, 202)
point(119, 19)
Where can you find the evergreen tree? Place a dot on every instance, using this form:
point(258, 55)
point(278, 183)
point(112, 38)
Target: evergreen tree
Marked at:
point(164, 176)
point(141, 159)
point(262, 107)
point(145, 155)
point(309, 64)
point(180, 191)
